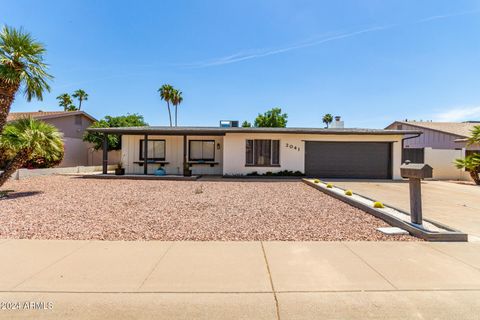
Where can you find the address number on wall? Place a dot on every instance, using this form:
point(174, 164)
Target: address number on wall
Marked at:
point(291, 146)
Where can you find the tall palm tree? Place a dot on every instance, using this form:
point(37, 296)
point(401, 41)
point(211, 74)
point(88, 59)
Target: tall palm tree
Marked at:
point(26, 139)
point(21, 67)
point(65, 101)
point(327, 119)
point(176, 100)
point(166, 92)
point(81, 96)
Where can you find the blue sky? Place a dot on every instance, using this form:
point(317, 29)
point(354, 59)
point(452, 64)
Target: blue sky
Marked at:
point(372, 62)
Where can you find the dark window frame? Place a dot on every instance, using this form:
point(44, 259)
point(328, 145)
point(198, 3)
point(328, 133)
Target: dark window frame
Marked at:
point(203, 159)
point(272, 144)
point(142, 143)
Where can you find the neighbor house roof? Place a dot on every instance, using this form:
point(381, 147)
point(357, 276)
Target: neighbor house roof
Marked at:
point(461, 129)
point(222, 131)
point(12, 116)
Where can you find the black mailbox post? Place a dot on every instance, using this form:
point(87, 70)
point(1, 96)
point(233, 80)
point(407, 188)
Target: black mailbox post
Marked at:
point(415, 172)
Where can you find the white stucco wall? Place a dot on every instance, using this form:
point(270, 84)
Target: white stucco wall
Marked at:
point(441, 160)
point(173, 155)
point(291, 158)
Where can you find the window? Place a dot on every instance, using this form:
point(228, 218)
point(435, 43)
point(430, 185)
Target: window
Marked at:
point(156, 149)
point(201, 150)
point(262, 153)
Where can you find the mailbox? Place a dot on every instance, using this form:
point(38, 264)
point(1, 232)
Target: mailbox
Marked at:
point(416, 170)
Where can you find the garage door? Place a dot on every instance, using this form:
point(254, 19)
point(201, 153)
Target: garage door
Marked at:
point(368, 160)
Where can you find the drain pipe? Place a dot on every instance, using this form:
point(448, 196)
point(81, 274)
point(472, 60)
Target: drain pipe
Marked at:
point(407, 138)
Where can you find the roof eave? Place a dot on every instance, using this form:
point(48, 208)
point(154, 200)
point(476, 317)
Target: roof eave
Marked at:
point(223, 131)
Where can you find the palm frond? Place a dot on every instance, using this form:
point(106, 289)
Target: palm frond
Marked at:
point(22, 62)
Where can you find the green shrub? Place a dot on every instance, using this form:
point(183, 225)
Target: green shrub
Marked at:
point(316, 181)
point(329, 185)
point(378, 205)
point(348, 192)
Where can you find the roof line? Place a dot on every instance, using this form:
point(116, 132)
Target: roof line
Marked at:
point(223, 131)
point(59, 114)
point(419, 126)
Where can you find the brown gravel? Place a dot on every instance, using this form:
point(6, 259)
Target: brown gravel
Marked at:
point(60, 207)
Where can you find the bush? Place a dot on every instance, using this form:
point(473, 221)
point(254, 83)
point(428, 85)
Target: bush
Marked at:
point(378, 205)
point(329, 185)
point(348, 193)
point(284, 173)
point(316, 181)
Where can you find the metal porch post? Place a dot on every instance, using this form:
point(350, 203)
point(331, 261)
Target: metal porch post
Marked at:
point(145, 154)
point(185, 165)
point(105, 154)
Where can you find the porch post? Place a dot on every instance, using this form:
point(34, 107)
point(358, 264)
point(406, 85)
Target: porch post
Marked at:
point(185, 165)
point(105, 154)
point(145, 154)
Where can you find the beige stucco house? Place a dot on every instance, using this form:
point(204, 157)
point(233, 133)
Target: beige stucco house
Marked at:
point(72, 124)
point(230, 151)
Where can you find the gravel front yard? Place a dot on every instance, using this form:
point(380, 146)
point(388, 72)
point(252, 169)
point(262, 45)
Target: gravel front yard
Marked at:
point(60, 207)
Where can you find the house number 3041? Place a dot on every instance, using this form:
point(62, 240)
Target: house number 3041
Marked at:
point(291, 146)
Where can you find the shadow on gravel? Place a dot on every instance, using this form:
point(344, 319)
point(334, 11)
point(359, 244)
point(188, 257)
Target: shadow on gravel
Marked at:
point(10, 194)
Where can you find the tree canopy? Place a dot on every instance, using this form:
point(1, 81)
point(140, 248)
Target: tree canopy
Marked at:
point(114, 141)
point(21, 68)
point(273, 118)
point(81, 96)
point(65, 101)
point(327, 119)
point(28, 139)
point(475, 137)
point(246, 124)
point(471, 162)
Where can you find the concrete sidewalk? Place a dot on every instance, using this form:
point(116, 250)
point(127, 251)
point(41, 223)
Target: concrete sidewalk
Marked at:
point(240, 280)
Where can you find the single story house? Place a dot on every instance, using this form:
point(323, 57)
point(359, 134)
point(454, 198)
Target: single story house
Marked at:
point(230, 151)
point(72, 124)
point(439, 145)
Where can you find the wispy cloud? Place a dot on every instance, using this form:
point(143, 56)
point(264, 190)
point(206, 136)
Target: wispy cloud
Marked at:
point(259, 53)
point(459, 114)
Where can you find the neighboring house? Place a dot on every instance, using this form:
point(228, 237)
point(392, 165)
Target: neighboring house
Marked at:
point(228, 151)
point(439, 145)
point(73, 125)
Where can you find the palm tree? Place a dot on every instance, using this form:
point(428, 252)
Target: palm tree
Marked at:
point(26, 139)
point(327, 119)
point(21, 66)
point(166, 94)
point(471, 163)
point(81, 96)
point(475, 137)
point(65, 101)
point(176, 100)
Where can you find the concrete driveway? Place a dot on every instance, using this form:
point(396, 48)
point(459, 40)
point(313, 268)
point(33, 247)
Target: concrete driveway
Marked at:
point(453, 204)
